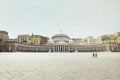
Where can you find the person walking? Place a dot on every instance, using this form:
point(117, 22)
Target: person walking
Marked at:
point(93, 54)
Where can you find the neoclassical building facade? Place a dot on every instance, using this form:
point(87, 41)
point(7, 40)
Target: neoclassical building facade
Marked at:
point(59, 43)
point(3, 37)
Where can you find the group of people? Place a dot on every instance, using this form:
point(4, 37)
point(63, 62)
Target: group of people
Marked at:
point(94, 54)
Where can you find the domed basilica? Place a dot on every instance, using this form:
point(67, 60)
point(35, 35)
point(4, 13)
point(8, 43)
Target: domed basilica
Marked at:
point(61, 43)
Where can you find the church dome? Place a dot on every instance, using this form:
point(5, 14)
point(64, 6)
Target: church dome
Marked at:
point(60, 37)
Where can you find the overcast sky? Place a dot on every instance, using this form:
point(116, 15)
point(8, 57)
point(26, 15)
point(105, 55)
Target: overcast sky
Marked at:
point(76, 18)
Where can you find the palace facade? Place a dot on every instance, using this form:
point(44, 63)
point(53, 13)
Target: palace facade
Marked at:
point(59, 43)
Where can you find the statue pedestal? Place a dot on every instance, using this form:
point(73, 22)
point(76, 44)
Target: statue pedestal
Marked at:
point(76, 51)
point(49, 51)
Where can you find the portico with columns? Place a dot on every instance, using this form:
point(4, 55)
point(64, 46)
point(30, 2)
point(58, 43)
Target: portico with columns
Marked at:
point(61, 47)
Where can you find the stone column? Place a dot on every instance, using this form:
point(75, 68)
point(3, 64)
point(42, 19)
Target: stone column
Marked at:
point(61, 48)
point(68, 48)
point(55, 48)
point(58, 48)
point(64, 48)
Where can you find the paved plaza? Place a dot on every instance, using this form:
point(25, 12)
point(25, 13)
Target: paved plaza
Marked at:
point(59, 66)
